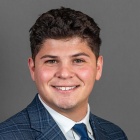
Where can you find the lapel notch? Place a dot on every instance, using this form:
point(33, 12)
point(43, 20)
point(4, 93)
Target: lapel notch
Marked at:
point(42, 121)
point(98, 131)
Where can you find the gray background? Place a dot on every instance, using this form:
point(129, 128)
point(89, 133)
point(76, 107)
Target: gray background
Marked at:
point(116, 96)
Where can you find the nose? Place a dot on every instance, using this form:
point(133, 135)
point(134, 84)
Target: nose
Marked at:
point(64, 72)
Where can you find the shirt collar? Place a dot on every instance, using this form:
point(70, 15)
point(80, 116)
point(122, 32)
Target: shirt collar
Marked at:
point(65, 123)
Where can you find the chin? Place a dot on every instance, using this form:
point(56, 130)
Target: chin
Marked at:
point(66, 105)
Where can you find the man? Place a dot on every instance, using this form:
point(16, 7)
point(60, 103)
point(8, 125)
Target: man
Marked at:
point(65, 63)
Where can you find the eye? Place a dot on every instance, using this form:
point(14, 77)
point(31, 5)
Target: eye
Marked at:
point(51, 61)
point(78, 61)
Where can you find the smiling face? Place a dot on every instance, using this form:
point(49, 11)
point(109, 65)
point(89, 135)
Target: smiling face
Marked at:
point(64, 72)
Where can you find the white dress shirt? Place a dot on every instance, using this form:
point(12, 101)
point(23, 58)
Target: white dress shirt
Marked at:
point(66, 124)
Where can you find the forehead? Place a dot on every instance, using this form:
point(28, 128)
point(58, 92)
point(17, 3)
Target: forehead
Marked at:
point(67, 44)
point(65, 48)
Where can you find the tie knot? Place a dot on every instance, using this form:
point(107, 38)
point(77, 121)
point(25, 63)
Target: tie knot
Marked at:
point(81, 130)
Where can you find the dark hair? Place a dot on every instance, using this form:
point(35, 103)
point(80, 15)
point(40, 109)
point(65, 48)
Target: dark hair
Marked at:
point(64, 23)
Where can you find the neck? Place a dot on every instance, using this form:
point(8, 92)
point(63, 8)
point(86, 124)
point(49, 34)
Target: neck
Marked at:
point(76, 114)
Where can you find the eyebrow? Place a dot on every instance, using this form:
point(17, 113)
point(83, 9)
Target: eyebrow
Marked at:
point(50, 56)
point(80, 54)
point(75, 55)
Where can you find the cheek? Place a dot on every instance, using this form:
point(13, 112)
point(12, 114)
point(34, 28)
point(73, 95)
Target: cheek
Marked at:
point(87, 73)
point(43, 75)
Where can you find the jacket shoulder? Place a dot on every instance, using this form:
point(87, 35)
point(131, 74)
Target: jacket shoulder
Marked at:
point(16, 126)
point(109, 128)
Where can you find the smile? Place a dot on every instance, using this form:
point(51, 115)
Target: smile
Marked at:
point(65, 88)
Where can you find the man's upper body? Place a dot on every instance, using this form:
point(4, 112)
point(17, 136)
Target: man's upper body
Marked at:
point(36, 123)
point(65, 64)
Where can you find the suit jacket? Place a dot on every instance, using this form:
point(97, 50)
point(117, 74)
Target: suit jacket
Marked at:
point(35, 123)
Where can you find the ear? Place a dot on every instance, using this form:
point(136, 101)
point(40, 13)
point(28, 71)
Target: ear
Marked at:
point(99, 67)
point(31, 66)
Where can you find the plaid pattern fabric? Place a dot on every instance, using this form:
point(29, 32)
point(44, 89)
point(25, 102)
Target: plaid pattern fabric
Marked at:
point(35, 123)
point(105, 130)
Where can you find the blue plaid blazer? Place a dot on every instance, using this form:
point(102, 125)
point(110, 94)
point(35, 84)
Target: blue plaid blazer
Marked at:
point(35, 123)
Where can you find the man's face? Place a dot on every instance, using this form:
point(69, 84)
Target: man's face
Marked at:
point(64, 72)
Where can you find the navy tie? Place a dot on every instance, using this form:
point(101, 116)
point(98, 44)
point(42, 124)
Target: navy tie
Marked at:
point(81, 130)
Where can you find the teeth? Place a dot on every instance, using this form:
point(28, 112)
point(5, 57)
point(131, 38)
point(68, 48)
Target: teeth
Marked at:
point(65, 88)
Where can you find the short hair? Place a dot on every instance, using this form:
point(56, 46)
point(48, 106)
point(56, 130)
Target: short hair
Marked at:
point(64, 23)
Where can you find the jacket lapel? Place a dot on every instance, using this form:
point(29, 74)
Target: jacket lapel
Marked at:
point(99, 133)
point(43, 123)
point(52, 132)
